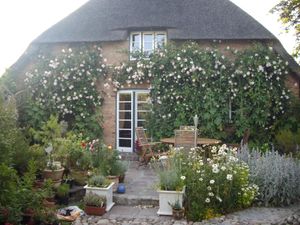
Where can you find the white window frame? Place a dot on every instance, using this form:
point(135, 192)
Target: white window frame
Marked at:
point(142, 33)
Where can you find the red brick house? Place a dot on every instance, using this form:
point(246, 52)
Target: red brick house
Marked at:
point(127, 25)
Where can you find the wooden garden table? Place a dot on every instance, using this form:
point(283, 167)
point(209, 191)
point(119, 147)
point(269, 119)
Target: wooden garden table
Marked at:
point(200, 141)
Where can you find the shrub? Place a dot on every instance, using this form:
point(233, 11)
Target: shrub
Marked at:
point(169, 173)
point(98, 181)
point(106, 160)
point(217, 182)
point(288, 141)
point(63, 190)
point(65, 83)
point(276, 175)
point(92, 199)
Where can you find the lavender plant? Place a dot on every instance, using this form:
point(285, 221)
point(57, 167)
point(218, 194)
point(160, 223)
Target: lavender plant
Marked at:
point(278, 176)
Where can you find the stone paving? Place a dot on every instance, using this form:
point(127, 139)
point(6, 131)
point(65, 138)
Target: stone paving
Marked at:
point(125, 215)
point(140, 203)
point(140, 182)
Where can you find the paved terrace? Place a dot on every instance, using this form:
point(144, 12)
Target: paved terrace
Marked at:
point(140, 203)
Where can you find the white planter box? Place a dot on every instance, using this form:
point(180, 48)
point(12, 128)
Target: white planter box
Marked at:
point(107, 192)
point(166, 197)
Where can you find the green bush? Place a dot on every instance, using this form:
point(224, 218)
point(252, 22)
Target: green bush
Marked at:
point(287, 141)
point(217, 184)
point(276, 175)
point(91, 199)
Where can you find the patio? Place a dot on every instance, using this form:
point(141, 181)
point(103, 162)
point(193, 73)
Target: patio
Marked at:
point(140, 184)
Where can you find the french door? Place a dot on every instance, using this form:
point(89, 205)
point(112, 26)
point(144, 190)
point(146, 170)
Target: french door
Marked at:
point(132, 109)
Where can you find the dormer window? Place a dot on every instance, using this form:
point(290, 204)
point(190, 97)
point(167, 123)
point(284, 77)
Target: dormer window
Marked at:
point(146, 42)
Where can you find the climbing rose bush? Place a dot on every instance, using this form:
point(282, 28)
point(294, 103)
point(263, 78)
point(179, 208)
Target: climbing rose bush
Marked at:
point(217, 182)
point(245, 89)
point(65, 84)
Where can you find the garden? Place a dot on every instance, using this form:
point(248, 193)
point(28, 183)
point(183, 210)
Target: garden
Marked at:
point(51, 136)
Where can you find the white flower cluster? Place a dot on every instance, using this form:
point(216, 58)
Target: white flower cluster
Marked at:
point(66, 83)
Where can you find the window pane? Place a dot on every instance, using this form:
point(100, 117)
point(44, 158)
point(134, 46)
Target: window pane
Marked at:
point(147, 46)
point(135, 42)
point(125, 133)
point(141, 123)
point(143, 97)
point(125, 124)
point(125, 115)
point(143, 106)
point(125, 106)
point(148, 38)
point(142, 115)
point(125, 143)
point(160, 40)
point(125, 97)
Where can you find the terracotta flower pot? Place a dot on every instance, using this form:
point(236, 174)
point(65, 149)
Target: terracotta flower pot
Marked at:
point(53, 174)
point(49, 202)
point(121, 178)
point(79, 177)
point(178, 214)
point(115, 180)
point(93, 210)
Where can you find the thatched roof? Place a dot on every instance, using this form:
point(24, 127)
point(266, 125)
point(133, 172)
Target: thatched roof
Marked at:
point(111, 20)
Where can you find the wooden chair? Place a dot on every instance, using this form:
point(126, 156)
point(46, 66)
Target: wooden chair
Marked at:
point(185, 139)
point(244, 141)
point(187, 128)
point(147, 152)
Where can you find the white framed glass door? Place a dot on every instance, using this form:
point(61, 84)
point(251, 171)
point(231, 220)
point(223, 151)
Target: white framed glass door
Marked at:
point(132, 107)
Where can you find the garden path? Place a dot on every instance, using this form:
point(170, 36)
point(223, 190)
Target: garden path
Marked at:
point(126, 215)
point(140, 182)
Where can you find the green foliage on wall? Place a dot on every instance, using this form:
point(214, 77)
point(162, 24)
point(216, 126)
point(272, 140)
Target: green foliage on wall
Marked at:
point(187, 80)
point(65, 84)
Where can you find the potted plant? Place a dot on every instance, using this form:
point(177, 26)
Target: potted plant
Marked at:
point(177, 210)
point(49, 136)
point(94, 204)
point(171, 184)
point(53, 170)
point(101, 186)
point(48, 192)
point(62, 194)
point(107, 161)
point(46, 217)
point(123, 168)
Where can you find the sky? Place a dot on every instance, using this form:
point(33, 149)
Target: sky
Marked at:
point(22, 21)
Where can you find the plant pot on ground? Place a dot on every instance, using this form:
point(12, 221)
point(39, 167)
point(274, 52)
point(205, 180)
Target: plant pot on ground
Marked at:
point(177, 210)
point(94, 204)
point(62, 194)
point(79, 177)
point(171, 183)
point(53, 171)
point(48, 193)
point(101, 186)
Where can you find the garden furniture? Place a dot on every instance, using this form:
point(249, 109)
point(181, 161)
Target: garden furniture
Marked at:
point(200, 141)
point(187, 128)
point(244, 141)
point(185, 138)
point(147, 152)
